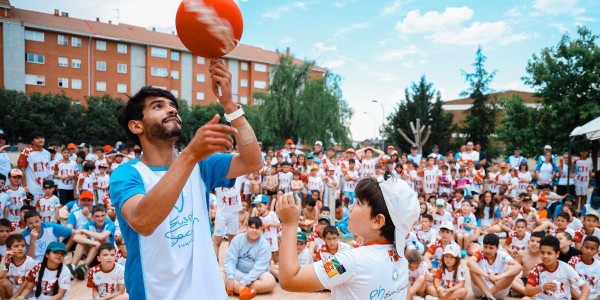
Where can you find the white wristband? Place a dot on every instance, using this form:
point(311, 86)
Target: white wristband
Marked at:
point(234, 115)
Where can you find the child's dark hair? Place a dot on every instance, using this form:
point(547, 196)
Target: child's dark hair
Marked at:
point(592, 239)
point(43, 266)
point(368, 192)
point(538, 234)
point(324, 208)
point(30, 214)
point(459, 191)
point(427, 216)
point(572, 209)
point(563, 215)
point(491, 239)
point(414, 257)
point(521, 221)
point(106, 246)
point(4, 222)
point(567, 235)
point(311, 202)
point(456, 265)
point(330, 230)
point(89, 166)
point(13, 238)
point(338, 203)
point(98, 208)
point(134, 109)
point(255, 222)
point(3, 177)
point(26, 207)
point(551, 241)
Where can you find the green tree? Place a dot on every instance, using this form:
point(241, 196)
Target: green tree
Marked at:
point(480, 118)
point(567, 77)
point(519, 126)
point(101, 126)
point(424, 102)
point(300, 107)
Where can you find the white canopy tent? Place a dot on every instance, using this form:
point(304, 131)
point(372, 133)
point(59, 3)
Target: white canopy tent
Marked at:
point(591, 130)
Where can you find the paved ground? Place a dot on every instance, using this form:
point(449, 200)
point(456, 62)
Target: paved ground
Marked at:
point(79, 291)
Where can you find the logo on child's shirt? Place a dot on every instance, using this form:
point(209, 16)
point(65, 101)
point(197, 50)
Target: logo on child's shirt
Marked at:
point(393, 255)
point(333, 267)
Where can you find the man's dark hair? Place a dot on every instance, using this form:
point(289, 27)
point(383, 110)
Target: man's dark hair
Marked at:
point(98, 208)
point(31, 214)
point(491, 239)
point(330, 230)
point(134, 109)
point(551, 241)
point(255, 222)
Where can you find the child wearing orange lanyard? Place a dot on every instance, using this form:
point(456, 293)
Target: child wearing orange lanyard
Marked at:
point(382, 216)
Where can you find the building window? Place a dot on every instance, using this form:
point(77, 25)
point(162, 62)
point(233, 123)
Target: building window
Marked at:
point(259, 101)
point(200, 60)
point(63, 82)
point(121, 68)
point(244, 100)
point(244, 66)
point(101, 86)
point(259, 84)
point(158, 52)
point(200, 96)
point(34, 58)
point(63, 62)
point(36, 36)
point(63, 40)
point(122, 88)
point(122, 48)
point(244, 83)
point(101, 45)
point(175, 93)
point(76, 63)
point(174, 55)
point(75, 42)
point(200, 77)
point(100, 65)
point(174, 74)
point(260, 67)
point(76, 84)
point(35, 79)
point(159, 72)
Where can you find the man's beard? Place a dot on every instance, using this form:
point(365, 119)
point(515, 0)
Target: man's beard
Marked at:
point(160, 131)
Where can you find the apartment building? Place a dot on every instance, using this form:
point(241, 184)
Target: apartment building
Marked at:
point(56, 53)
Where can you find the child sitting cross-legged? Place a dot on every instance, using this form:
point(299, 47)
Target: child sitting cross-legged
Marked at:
point(107, 279)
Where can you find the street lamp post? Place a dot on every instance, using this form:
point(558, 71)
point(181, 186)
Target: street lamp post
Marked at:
point(382, 123)
point(374, 124)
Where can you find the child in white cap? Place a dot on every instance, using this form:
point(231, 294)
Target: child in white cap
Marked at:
point(449, 279)
point(382, 215)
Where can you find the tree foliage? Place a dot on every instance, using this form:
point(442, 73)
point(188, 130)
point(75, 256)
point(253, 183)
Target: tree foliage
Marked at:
point(480, 118)
point(302, 108)
point(567, 77)
point(519, 126)
point(424, 102)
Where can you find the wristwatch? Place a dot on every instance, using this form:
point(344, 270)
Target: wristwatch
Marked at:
point(234, 115)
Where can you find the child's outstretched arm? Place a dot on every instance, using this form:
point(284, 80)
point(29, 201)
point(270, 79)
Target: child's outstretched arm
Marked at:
point(291, 277)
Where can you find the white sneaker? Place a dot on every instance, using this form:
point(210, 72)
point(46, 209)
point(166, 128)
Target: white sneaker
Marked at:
point(418, 298)
point(429, 297)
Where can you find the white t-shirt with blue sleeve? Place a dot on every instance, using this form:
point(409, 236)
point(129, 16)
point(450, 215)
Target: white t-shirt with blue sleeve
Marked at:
point(51, 232)
point(177, 261)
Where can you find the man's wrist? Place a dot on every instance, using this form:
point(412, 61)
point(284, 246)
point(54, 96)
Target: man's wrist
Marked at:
point(229, 106)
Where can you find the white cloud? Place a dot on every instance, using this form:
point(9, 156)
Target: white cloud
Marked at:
point(321, 47)
point(281, 10)
point(397, 54)
point(516, 85)
point(560, 26)
point(557, 7)
point(392, 8)
point(287, 39)
point(451, 18)
point(386, 77)
point(351, 28)
point(514, 38)
point(333, 63)
point(477, 33)
point(515, 12)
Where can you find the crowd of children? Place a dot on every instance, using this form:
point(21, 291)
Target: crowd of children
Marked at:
point(511, 225)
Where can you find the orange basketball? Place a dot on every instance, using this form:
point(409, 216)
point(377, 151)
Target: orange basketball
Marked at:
point(209, 28)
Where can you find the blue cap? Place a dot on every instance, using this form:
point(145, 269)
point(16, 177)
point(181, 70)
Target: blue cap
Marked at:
point(260, 199)
point(57, 246)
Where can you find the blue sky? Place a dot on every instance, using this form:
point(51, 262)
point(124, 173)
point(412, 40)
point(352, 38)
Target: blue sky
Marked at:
point(380, 47)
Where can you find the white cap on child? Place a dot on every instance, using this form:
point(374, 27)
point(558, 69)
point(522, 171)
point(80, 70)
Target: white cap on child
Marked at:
point(403, 205)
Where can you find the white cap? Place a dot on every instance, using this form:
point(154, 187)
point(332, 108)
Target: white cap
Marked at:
point(447, 225)
point(547, 147)
point(452, 249)
point(81, 145)
point(403, 205)
point(319, 143)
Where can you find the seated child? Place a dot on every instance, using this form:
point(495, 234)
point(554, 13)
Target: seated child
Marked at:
point(587, 267)
point(304, 255)
point(18, 264)
point(449, 279)
point(49, 279)
point(516, 242)
point(332, 244)
point(417, 269)
point(107, 279)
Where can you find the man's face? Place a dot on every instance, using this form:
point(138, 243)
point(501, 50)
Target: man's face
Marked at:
point(469, 146)
point(38, 141)
point(99, 217)
point(161, 120)
point(589, 249)
point(318, 147)
point(85, 202)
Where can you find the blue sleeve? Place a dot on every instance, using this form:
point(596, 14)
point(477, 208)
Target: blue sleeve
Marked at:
point(214, 171)
point(111, 228)
point(72, 220)
point(538, 167)
point(89, 224)
point(125, 182)
point(497, 214)
point(507, 160)
point(231, 259)
point(70, 204)
point(60, 230)
point(26, 232)
point(261, 264)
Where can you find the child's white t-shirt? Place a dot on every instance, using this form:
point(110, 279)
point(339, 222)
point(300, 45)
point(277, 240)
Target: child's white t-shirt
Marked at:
point(16, 274)
point(107, 283)
point(367, 272)
point(285, 181)
point(47, 208)
point(516, 243)
point(498, 266)
point(564, 274)
point(589, 273)
point(349, 185)
point(49, 280)
point(447, 277)
point(413, 275)
point(270, 233)
point(305, 258)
